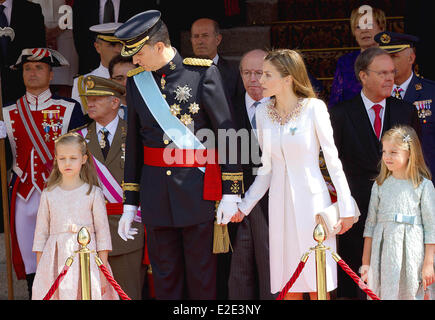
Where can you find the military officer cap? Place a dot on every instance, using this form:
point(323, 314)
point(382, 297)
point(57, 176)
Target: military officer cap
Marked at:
point(98, 86)
point(46, 55)
point(105, 31)
point(137, 30)
point(395, 42)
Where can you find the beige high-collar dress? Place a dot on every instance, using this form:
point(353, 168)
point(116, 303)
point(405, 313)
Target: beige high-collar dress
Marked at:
point(60, 216)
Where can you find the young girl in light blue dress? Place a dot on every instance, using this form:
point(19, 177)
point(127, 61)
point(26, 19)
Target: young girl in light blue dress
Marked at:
point(399, 234)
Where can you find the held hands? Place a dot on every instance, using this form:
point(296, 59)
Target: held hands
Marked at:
point(125, 230)
point(345, 223)
point(225, 211)
point(2, 130)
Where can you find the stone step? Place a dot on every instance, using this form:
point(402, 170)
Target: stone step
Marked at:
point(19, 286)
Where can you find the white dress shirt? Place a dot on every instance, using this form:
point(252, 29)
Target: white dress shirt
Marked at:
point(8, 10)
point(403, 86)
point(116, 4)
point(249, 103)
point(371, 113)
point(111, 127)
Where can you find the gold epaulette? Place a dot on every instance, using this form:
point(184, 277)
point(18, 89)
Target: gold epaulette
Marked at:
point(135, 71)
point(79, 128)
point(198, 62)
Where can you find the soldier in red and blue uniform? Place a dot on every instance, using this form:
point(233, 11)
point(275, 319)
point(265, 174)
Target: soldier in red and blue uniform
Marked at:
point(32, 123)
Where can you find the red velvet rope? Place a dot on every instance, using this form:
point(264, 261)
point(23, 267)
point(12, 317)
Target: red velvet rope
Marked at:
point(56, 283)
point(114, 284)
point(292, 280)
point(357, 280)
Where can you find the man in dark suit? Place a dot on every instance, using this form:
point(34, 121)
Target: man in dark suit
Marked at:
point(358, 125)
point(412, 88)
point(166, 95)
point(205, 38)
point(27, 22)
point(249, 277)
point(87, 13)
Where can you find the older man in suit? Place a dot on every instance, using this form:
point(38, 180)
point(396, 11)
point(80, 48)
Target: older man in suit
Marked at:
point(358, 125)
point(105, 137)
point(249, 277)
point(206, 38)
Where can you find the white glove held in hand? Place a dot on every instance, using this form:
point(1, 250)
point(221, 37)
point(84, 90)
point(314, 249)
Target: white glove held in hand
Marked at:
point(225, 211)
point(125, 230)
point(3, 133)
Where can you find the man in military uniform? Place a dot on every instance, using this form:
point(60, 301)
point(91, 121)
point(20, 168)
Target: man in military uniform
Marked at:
point(105, 137)
point(170, 100)
point(412, 88)
point(107, 47)
point(33, 122)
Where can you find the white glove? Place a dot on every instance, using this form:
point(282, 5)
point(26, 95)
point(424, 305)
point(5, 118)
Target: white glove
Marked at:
point(125, 230)
point(226, 210)
point(2, 130)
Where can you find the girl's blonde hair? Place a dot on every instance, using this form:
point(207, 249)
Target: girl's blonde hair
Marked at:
point(88, 173)
point(406, 138)
point(290, 63)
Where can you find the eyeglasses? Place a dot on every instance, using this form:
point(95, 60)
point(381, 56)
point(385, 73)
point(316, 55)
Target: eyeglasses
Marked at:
point(248, 74)
point(384, 74)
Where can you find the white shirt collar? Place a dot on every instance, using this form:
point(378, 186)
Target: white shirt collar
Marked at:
point(403, 86)
point(369, 104)
point(216, 59)
point(8, 10)
point(111, 127)
point(249, 101)
point(39, 101)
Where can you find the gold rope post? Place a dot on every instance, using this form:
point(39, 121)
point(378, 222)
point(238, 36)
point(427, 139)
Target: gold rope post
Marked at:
point(83, 238)
point(319, 235)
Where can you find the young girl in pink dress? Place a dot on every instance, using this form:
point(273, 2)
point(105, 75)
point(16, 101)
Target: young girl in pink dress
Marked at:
point(72, 199)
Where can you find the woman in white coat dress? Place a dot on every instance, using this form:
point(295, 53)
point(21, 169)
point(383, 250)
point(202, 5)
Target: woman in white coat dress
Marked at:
point(291, 130)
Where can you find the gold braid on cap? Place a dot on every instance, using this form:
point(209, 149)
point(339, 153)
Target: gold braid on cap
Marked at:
point(132, 49)
point(82, 91)
point(198, 62)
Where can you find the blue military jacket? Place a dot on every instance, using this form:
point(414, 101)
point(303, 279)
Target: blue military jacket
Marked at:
point(173, 196)
point(421, 92)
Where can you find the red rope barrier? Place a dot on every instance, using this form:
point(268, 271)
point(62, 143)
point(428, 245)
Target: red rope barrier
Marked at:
point(357, 279)
point(114, 284)
point(294, 277)
point(56, 283)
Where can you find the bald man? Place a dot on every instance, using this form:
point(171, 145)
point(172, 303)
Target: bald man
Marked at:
point(250, 273)
point(206, 38)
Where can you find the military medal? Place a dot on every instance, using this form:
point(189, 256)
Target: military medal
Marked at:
point(163, 81)
point(182, 94)
point(186, 119)
point(194, 108)
point(172, 65)
point(51, 122)
point(423, 109)
point(102, 143)
point(175, 109)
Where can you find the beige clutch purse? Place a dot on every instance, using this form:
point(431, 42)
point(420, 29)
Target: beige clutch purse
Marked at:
point(328, 218)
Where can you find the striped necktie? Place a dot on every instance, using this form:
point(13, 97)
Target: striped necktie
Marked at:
point(253, 121)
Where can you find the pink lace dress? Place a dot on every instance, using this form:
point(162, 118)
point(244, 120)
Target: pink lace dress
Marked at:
point(60, 216)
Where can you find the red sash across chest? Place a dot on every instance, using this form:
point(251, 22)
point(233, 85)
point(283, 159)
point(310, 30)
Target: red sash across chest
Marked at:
point(34, 133)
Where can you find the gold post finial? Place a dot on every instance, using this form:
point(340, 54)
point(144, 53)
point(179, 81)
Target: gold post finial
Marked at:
point(83, 238)
point(319, 235)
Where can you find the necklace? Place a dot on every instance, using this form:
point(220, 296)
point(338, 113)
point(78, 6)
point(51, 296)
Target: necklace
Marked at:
point(291, 116)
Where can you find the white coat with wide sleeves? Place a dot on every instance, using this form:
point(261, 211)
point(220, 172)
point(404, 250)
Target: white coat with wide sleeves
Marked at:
point(290, 168)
